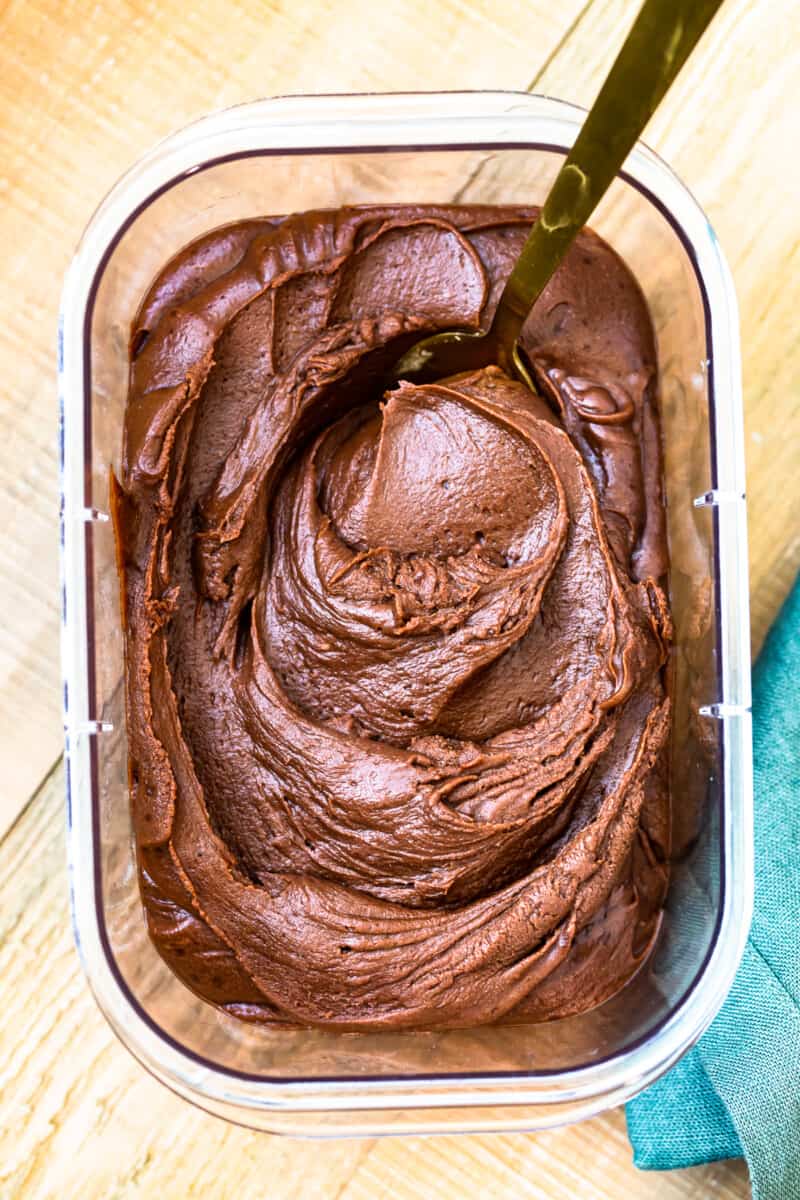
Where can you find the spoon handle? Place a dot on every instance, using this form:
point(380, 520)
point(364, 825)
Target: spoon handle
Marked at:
point(663, 36)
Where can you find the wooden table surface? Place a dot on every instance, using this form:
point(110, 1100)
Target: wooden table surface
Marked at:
point(85, 88)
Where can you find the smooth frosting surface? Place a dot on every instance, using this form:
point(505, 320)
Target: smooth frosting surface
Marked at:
point(394, 658)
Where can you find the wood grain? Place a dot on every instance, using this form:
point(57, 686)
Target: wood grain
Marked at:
point(80, 1118)
point(84, 89)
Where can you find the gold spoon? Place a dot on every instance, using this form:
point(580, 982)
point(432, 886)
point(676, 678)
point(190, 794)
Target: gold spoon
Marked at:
point(663, 36)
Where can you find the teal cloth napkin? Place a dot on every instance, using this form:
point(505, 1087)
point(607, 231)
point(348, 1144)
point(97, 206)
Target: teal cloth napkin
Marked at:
point(738, 1090)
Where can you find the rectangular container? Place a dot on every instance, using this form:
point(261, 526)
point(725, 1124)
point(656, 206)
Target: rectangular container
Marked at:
point(284, 155)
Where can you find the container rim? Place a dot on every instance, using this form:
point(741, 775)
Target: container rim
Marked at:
point(371, 124)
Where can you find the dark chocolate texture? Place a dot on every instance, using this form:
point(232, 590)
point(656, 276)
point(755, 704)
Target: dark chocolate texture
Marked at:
point(395, 659)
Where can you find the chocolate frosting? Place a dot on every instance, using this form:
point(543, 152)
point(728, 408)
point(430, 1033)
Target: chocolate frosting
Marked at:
point(394, 657)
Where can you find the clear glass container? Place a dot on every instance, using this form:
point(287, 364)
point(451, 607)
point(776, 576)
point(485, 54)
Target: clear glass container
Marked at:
point(283, 155)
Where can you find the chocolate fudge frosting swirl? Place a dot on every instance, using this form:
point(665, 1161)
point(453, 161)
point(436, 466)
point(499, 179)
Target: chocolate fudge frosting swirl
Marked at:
point(394, 658)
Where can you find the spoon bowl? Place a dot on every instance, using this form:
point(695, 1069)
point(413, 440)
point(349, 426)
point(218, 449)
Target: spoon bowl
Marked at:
point(661, 39)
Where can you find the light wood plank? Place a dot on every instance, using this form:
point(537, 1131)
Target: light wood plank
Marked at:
point(79, 1117)
point(84, 89)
